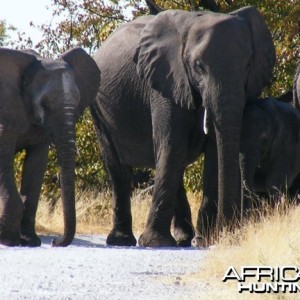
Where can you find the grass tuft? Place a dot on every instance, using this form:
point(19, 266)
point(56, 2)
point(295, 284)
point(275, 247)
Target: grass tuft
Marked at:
point(270, 237)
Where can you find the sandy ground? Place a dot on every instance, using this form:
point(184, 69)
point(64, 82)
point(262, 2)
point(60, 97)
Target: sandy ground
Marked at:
point(88, 269)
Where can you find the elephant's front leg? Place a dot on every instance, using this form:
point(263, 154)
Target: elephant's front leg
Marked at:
point(183, 227)
point(167, 180)
point(33, 171)
point(11, 207)
point(206, 222)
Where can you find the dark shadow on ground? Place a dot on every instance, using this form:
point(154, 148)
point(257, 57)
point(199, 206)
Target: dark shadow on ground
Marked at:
point(90, 241)
point(99, 241)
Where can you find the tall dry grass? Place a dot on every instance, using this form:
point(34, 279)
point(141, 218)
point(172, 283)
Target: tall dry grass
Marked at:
point(94, 212)
point(269, 238)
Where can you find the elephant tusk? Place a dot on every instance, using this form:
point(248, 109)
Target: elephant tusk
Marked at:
point(205, 127)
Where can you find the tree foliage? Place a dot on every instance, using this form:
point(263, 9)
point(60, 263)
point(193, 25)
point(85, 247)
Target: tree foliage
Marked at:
point(3, 35)
point(87, 23)
point(84, 23)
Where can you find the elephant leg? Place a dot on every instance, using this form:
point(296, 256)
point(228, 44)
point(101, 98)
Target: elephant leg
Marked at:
point(121, 234)
point(206, 222)
point(35, 164)
point(167, 179)
point(183, 227)
point(11, 207)
point(293, 191)
point(121, 178)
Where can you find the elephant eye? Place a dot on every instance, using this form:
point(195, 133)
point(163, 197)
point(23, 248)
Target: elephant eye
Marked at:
point(199, 66)
point(46, 105)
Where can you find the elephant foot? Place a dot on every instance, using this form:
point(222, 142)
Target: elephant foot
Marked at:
point(183, 239)
point(200, 241)
point(119, 238)
point(30, 240)
point(156, 239)
point(11, 240)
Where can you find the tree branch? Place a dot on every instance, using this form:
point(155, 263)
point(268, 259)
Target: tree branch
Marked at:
point(210, 4)
point(153, 7)
point(193, 5)
point(229, 2)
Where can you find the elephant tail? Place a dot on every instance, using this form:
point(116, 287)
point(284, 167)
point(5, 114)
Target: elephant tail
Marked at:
point(96, 116)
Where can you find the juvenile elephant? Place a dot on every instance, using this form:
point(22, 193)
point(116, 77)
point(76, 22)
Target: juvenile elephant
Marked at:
point(270, 145)
point(40, 101)
point(164, 71)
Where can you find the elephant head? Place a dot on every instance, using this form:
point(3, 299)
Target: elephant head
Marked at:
point(50, 95)
point(269, 147)
point(215, 60)
point(257, 140)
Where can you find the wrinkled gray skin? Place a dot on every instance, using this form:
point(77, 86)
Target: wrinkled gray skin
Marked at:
point(40, 102)
point(149, 108)
point(270, 144)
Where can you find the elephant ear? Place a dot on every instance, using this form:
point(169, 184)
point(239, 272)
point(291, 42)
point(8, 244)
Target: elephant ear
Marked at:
point(159, 60)
point(32, 52)
point(87, 75)
point(263, 60)
point(13, 63)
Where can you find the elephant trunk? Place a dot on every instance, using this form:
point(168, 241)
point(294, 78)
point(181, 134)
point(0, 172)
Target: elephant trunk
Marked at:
point(228, 173)
point(64, 140)
point(227, 118)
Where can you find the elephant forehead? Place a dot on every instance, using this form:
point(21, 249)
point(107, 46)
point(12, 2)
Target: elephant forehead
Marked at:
point(218, 29)
point(70, 88)
point(58, 85)
point(221, 40)
point(51, 64)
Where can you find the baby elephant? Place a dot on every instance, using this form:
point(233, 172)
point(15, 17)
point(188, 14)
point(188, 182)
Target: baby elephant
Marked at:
point(270, 146)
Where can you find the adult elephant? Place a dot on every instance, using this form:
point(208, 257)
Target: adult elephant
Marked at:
point(40, 101)
point(165, 69)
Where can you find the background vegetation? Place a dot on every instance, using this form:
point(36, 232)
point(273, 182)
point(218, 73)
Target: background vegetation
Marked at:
point(87, 23)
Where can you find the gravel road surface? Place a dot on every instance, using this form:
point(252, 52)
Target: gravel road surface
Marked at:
point(88, 269)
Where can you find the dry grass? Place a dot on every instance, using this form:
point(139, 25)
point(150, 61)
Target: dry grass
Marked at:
point(94, 212)
point(270, 239)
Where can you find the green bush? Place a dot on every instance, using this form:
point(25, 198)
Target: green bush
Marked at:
point(193, 175)
point(89, 171)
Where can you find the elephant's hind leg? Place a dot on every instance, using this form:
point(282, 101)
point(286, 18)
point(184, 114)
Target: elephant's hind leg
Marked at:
point(33, 171)
point(183, 227)
point(11, 207)
point(120, 176)
point(121, 234)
